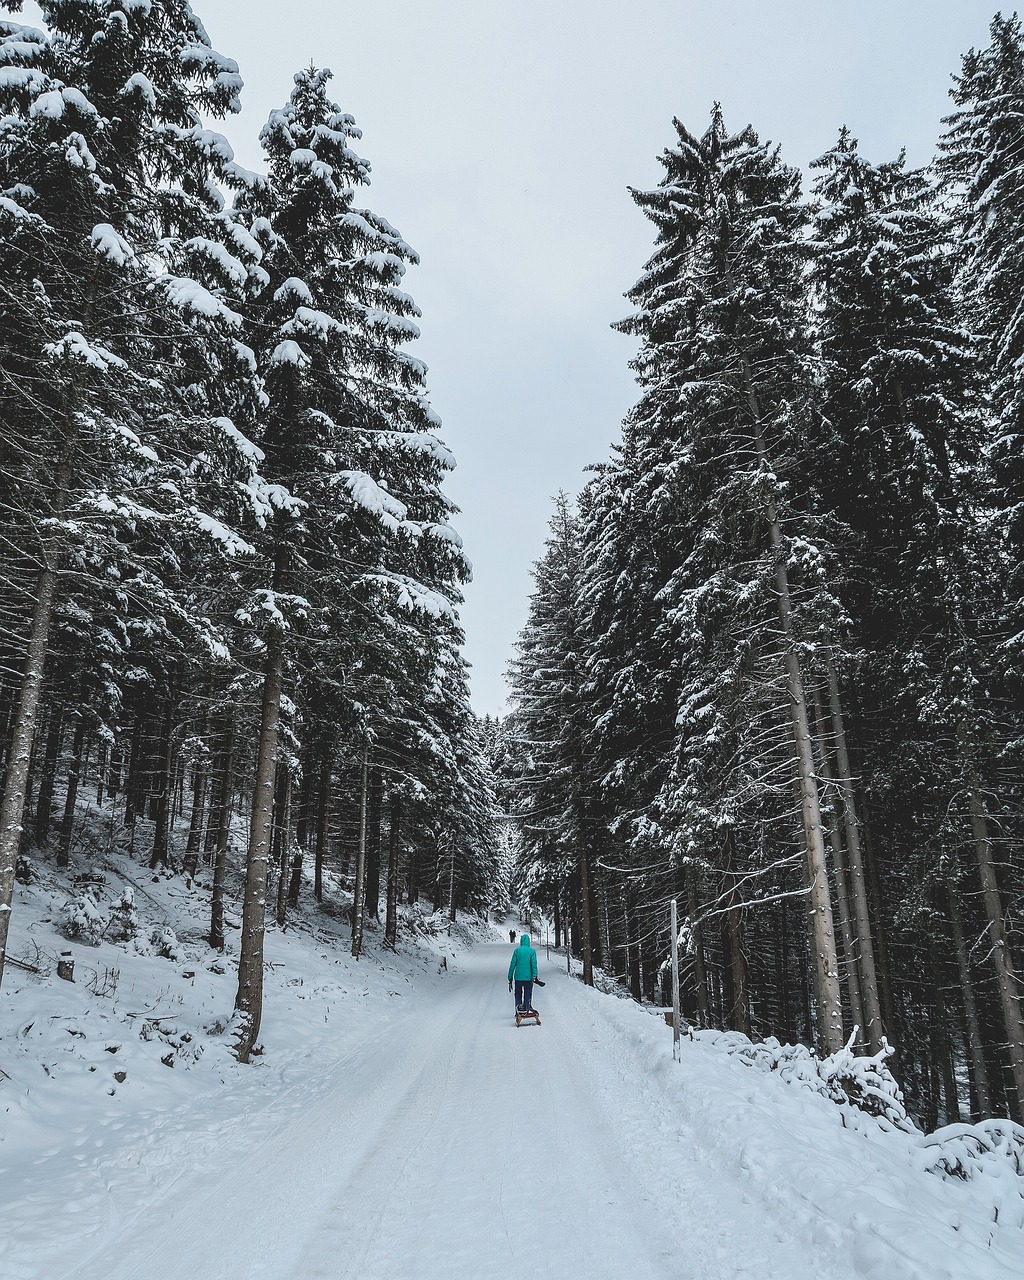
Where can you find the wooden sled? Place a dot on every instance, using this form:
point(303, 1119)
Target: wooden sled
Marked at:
point(532, 1016)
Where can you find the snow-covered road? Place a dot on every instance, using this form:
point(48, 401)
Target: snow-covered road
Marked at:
point(401, 1126)
point(445, 1143)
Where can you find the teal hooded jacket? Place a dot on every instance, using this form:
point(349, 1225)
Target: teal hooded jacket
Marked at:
point(524, 961)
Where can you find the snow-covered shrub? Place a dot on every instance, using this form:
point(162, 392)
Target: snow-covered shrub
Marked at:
point(992, 1151)
point(123, 924)
point(844, 1078)
point(165, 942)
point(82, 918)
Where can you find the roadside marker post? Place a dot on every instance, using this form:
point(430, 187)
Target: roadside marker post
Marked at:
point(675, 982)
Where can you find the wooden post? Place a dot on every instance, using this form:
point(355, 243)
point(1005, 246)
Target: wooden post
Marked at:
point(675, 981)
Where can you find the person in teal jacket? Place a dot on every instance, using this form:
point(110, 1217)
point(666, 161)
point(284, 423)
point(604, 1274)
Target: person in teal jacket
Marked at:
point(523, 971)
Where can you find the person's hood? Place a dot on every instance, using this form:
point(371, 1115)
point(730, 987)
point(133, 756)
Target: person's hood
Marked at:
point(524, 941)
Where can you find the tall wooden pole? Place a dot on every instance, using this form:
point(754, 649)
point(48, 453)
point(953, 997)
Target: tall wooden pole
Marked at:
point(675, 981)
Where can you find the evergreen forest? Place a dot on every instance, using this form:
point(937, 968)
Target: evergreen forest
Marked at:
point(773, 667)
point(774, 656)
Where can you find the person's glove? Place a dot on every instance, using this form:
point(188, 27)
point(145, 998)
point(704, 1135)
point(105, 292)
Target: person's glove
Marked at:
point(510, 984)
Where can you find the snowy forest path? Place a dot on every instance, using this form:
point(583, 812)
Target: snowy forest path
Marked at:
point(450, 1143)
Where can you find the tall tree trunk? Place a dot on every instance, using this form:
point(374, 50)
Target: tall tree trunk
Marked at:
point(975, 1050)
point(67, 824)
point(161, 855)
point(44, 802)
point(858, 888)
point(394, 834)
point(359, 892)
point(739, 1012)
point(632, 944)
point(200, 779)
point(1002, 960)
point(133, 784)
point(942, 1039)
point(782, 971)
point(850, 947)
point(585, 923)
point(413, 874)
point(883, 964)
point(282, 838)
point(826, 961)
point(323, 810)
point(375, 798)
point(12, 805)
point(700, 973)
point(249, 997)
point(558, 923)
point(223, 828)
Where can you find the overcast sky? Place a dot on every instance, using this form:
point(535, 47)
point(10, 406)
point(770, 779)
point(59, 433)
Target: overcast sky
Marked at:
point(503, 137)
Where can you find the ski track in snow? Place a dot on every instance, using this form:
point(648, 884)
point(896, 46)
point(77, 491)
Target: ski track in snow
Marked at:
point(446, 1143)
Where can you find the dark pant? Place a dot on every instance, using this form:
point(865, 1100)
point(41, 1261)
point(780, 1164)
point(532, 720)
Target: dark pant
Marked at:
point(524, 995)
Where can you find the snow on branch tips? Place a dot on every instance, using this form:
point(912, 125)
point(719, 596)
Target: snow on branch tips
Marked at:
point(111, 245)
point(73, 346)
point(189, 295)
point(365, 492)
point(414, 596)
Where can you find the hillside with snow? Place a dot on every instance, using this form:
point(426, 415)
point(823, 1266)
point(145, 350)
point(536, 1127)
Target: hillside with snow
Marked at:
point(398, 1124)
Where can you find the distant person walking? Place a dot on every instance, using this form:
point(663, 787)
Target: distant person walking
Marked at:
point(522, 970)
point(512, 936)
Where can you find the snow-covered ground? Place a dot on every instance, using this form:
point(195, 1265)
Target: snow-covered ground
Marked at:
point(399, 1125)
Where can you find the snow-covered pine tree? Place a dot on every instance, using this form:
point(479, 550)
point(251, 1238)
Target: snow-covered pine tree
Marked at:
point(105, 171)
point(727, 399)
point(347, 436)
point(549, 727)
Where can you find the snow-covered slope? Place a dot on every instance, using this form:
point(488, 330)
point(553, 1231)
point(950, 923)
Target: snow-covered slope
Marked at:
point(399, 1125)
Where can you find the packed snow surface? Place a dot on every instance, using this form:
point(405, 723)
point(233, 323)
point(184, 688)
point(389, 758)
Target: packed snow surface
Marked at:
point(399, 1125)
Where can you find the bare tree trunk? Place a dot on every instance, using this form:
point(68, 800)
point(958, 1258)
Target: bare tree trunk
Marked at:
point(249, 997)
point(67, 824)
point(394, 833)
point(48, 774)
point(375, 799)
point(200, 779)
point(700, 973)
point(975, 1051)
point(12, 804)
point(858, 888)
point(826, 961)
point(782, 971)
point(451, 886)
point(223, 829)
point(161, 849)
point(359, 893)
point(282, 837)
point(632, 945)
point(414, 867)
point(942, 1040)
point(323, 809)
point(1002, 960)
point(585, 925)
point(850, 948)
point(739, 1012)
point(132, 782)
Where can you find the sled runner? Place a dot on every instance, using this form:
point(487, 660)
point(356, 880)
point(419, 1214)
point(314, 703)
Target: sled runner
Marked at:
point(529, 1015)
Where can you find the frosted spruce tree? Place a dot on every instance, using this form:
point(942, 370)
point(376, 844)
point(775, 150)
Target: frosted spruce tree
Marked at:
point(727, 401)
point(359, 545)
point(549, 729)
point(106, 174)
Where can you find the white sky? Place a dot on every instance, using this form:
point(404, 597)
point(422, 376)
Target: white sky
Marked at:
point(503, 137)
